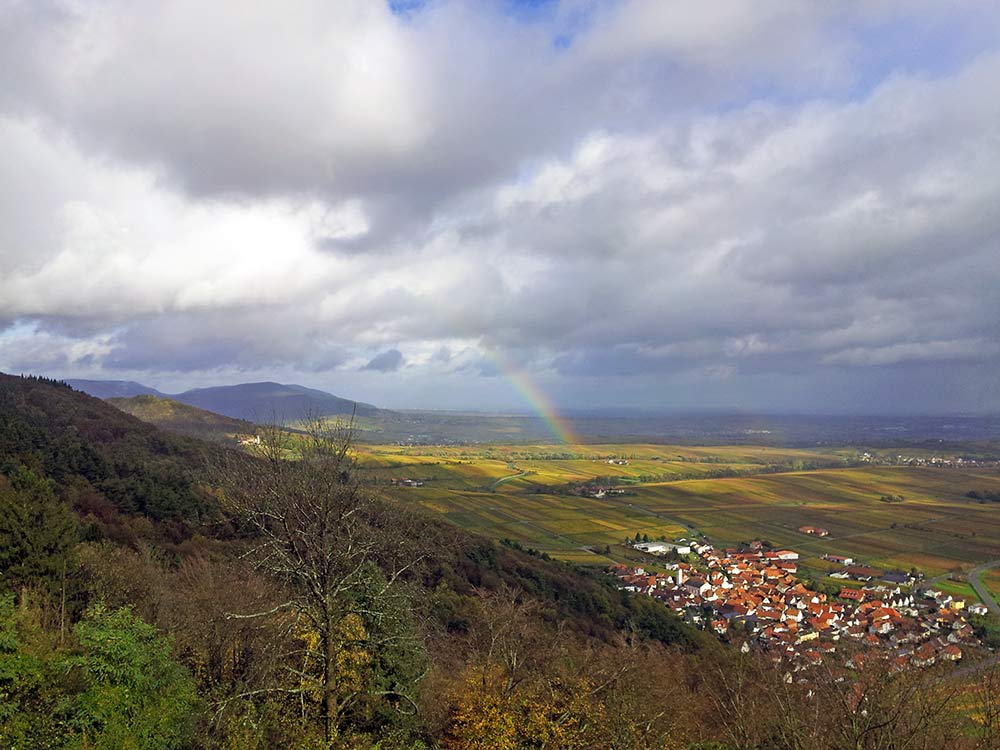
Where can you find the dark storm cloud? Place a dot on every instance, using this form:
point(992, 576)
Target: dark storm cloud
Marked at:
point(735, 194)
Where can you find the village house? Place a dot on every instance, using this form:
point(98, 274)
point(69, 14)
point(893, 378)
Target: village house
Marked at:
point(899, 577)
point(854, 595)
point(759, 589)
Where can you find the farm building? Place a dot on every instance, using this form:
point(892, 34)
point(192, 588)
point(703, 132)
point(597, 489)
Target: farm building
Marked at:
point(662, 548)
point(814, 531)
point(782, 554)
point(862, 573)
point(839, 559)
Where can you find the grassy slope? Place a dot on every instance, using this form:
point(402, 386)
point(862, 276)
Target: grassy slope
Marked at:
point(174, 416)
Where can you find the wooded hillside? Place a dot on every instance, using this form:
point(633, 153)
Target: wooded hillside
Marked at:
point(161, 592)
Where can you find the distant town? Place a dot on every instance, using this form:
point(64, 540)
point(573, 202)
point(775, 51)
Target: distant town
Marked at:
point(753, 594)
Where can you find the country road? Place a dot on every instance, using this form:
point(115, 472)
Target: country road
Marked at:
point(981, 590)
point(507, 478)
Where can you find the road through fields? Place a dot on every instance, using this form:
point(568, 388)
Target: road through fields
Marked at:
point(985, 596)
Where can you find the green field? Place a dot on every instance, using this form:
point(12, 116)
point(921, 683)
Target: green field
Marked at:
point(522, 493)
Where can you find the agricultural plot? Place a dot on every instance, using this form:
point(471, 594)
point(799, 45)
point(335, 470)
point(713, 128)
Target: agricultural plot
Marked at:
point(936, 528)
point(436, 471)
point(566, 527)
point(514, 492)
point(991, 579)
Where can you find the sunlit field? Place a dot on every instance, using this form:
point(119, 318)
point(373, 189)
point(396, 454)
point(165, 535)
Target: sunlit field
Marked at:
point(531, 495)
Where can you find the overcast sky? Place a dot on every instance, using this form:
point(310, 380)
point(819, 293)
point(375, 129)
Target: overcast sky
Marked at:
point(782, 205)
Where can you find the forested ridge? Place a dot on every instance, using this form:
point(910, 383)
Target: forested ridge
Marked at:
point(161, 592)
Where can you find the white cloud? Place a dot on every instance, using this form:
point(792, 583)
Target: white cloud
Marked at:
point(711, 191)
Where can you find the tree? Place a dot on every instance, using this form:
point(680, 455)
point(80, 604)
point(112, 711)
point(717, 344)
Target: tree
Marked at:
point(341, 553)
point(37, 534)
point(27, 697)
point(134, 694)
point(516, 690)
point(36, 529)
point(117, 688)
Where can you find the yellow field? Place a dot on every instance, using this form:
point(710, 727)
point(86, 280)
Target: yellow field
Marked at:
point(523, 493)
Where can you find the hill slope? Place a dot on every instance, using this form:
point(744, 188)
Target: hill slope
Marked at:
point(109, 465)
point(254, 402)
point(112, 388)
point(268, 402)
point(175, 416)
point(133, 482)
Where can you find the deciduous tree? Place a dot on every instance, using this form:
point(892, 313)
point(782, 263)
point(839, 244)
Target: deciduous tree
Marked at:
point(341, 554)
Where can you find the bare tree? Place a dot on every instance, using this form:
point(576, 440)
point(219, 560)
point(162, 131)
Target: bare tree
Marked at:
point(339, 550)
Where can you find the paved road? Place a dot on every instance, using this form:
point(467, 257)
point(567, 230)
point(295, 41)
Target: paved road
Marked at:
point(977, 584)
point(507, 478)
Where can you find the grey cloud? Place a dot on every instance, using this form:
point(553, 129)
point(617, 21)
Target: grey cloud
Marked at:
point(442, 354)
point(387, 361)
point(653, 201)
point(314, 117)
point(974, 349)
point(245, 340)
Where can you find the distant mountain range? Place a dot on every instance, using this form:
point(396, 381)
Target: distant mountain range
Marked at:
point(254, 402)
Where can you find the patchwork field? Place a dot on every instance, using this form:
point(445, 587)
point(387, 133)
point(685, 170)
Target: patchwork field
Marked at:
point(936, 528)
point(730, 494)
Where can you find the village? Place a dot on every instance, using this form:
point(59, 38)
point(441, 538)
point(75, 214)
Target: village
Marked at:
point(933, 461)
point(752, 595)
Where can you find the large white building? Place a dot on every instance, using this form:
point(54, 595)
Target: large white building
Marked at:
point(662, 548)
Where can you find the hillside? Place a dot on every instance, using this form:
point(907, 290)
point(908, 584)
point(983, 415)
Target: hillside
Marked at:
point(175, 416)
point(268, 402)
point(254, 402)
point(112, 388)
point(106, 463)
point(138, 600)
point(119, 474)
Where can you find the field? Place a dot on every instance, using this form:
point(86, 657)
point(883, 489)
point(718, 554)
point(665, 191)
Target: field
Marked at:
point(936, 528)
point(731, 494)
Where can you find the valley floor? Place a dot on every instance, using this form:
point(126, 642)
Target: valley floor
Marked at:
point(582, 503)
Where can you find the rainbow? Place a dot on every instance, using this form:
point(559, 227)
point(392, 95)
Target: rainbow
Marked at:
point(536, 399)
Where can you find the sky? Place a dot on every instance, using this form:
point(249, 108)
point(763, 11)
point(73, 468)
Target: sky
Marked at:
point(753, 205)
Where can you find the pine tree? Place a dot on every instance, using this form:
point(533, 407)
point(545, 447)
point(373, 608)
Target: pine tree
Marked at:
point(37, 533)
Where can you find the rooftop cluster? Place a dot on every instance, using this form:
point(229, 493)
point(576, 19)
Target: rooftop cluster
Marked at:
point(754, 593)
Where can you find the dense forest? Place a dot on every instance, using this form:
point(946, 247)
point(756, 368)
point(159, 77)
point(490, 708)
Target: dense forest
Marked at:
point(157, 591)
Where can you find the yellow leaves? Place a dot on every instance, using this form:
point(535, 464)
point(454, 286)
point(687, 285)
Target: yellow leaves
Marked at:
point(482, 718)
point(544, 713)
point(352, 657)
point(352, 661)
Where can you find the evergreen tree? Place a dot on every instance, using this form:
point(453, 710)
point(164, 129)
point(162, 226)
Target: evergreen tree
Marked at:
point(37, 532)
point(134, 695)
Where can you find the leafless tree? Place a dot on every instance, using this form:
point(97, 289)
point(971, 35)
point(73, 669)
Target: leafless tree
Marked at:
point(339, 550)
